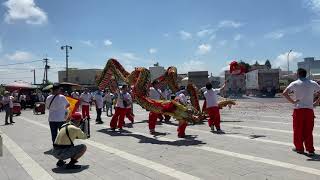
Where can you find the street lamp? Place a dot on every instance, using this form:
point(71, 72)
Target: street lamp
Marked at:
point(34, 76)
point(66, 47)
point(288, 59)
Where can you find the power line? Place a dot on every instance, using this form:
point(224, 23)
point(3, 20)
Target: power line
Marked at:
point(20, 63)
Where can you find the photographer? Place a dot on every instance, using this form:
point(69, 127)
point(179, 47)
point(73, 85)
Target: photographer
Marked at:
point(64, 148)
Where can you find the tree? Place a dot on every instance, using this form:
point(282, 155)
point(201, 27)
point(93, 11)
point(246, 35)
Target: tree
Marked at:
point(268, 64)
point(256, 63)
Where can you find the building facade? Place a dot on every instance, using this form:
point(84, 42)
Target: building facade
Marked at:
point(198, 78)
point(311, 65)
point(86, 77)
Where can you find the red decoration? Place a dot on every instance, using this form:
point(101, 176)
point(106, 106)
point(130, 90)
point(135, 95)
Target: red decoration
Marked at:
point(236, 68)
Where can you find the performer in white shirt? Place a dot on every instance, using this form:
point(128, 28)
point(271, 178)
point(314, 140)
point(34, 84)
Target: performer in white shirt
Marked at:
point(85, 99)
point(211, 99)
point(154, 93)
point(303, 115)
point(124, 103)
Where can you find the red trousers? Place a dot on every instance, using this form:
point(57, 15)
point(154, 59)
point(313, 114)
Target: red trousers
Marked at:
point(118, 117)
point(214, 117)
point(85, 111)
point(182, 128)
point(153, 120)
point(303, 122)
point(130, 115)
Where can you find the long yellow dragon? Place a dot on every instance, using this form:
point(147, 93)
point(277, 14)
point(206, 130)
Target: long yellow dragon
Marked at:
point(139, 80)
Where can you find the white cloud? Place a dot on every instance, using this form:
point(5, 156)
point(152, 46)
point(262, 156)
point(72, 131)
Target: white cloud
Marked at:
point(20, 56)
point(237, 37)
point(185, 35)
point(229, 24)
point(204, 49)
point(88, 43)
point(57, 41)
point(314, 5)
point(282, 61)
point(192, 65)
point(153, 50)
point(166, 35)
point(107, 42)
point(205, 32)
point(130, 56)
point(275, 35)
point(24, 10)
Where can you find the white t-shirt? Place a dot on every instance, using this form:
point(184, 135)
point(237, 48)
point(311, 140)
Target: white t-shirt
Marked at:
point(8, 100)
point(108, 97)
point(85, 98)
point(182, 98)
point(23, 97)
point(154, 94)
point(75, 95)
point(304, 91)
point(211, 97)
point(99, 100)
point(57, 110)
point(121, 98)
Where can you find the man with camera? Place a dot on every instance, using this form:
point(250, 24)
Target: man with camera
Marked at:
point(64, 148)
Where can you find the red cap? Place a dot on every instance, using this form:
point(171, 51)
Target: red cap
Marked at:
point(76, 116)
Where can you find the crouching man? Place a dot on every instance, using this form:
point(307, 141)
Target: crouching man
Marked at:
point(64, 148)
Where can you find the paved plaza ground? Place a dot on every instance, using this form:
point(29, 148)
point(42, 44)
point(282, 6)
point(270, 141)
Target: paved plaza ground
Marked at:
point(256, 145)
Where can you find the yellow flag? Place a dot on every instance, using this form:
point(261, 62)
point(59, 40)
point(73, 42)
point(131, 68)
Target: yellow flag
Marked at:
point(74, 104)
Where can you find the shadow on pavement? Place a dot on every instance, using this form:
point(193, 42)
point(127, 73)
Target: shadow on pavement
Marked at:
point(316, 157)
point(189, 140)
point(226, 121)
point(49, 152)
point(254, 136)
point(62, 170)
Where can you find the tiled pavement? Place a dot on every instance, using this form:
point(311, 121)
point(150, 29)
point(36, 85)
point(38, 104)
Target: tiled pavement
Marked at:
point(257, 145)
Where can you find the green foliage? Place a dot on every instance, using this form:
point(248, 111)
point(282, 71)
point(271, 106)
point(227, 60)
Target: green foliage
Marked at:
point(268, 64)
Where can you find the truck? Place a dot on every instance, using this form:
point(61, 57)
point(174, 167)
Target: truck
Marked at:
point(263, 82)
point(235, 85)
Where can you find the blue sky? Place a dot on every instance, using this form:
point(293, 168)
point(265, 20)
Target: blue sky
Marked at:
point(188, 34)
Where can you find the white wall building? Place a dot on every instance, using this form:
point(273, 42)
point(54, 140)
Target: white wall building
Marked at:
point(156, 71)
point(311, 65)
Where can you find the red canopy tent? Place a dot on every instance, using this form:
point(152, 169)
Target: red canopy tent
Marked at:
point(19, 85)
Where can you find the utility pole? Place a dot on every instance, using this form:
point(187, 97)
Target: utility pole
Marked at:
point(288, 59)
point(66, 47)
point(46, 67)
point(34, 76)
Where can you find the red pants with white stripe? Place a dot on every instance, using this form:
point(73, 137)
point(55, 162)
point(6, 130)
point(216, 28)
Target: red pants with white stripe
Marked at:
point(118, 117)
point(85, 111)
point(182, 128)
point(303, 122)
point(214, 117)
point(153, 120)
